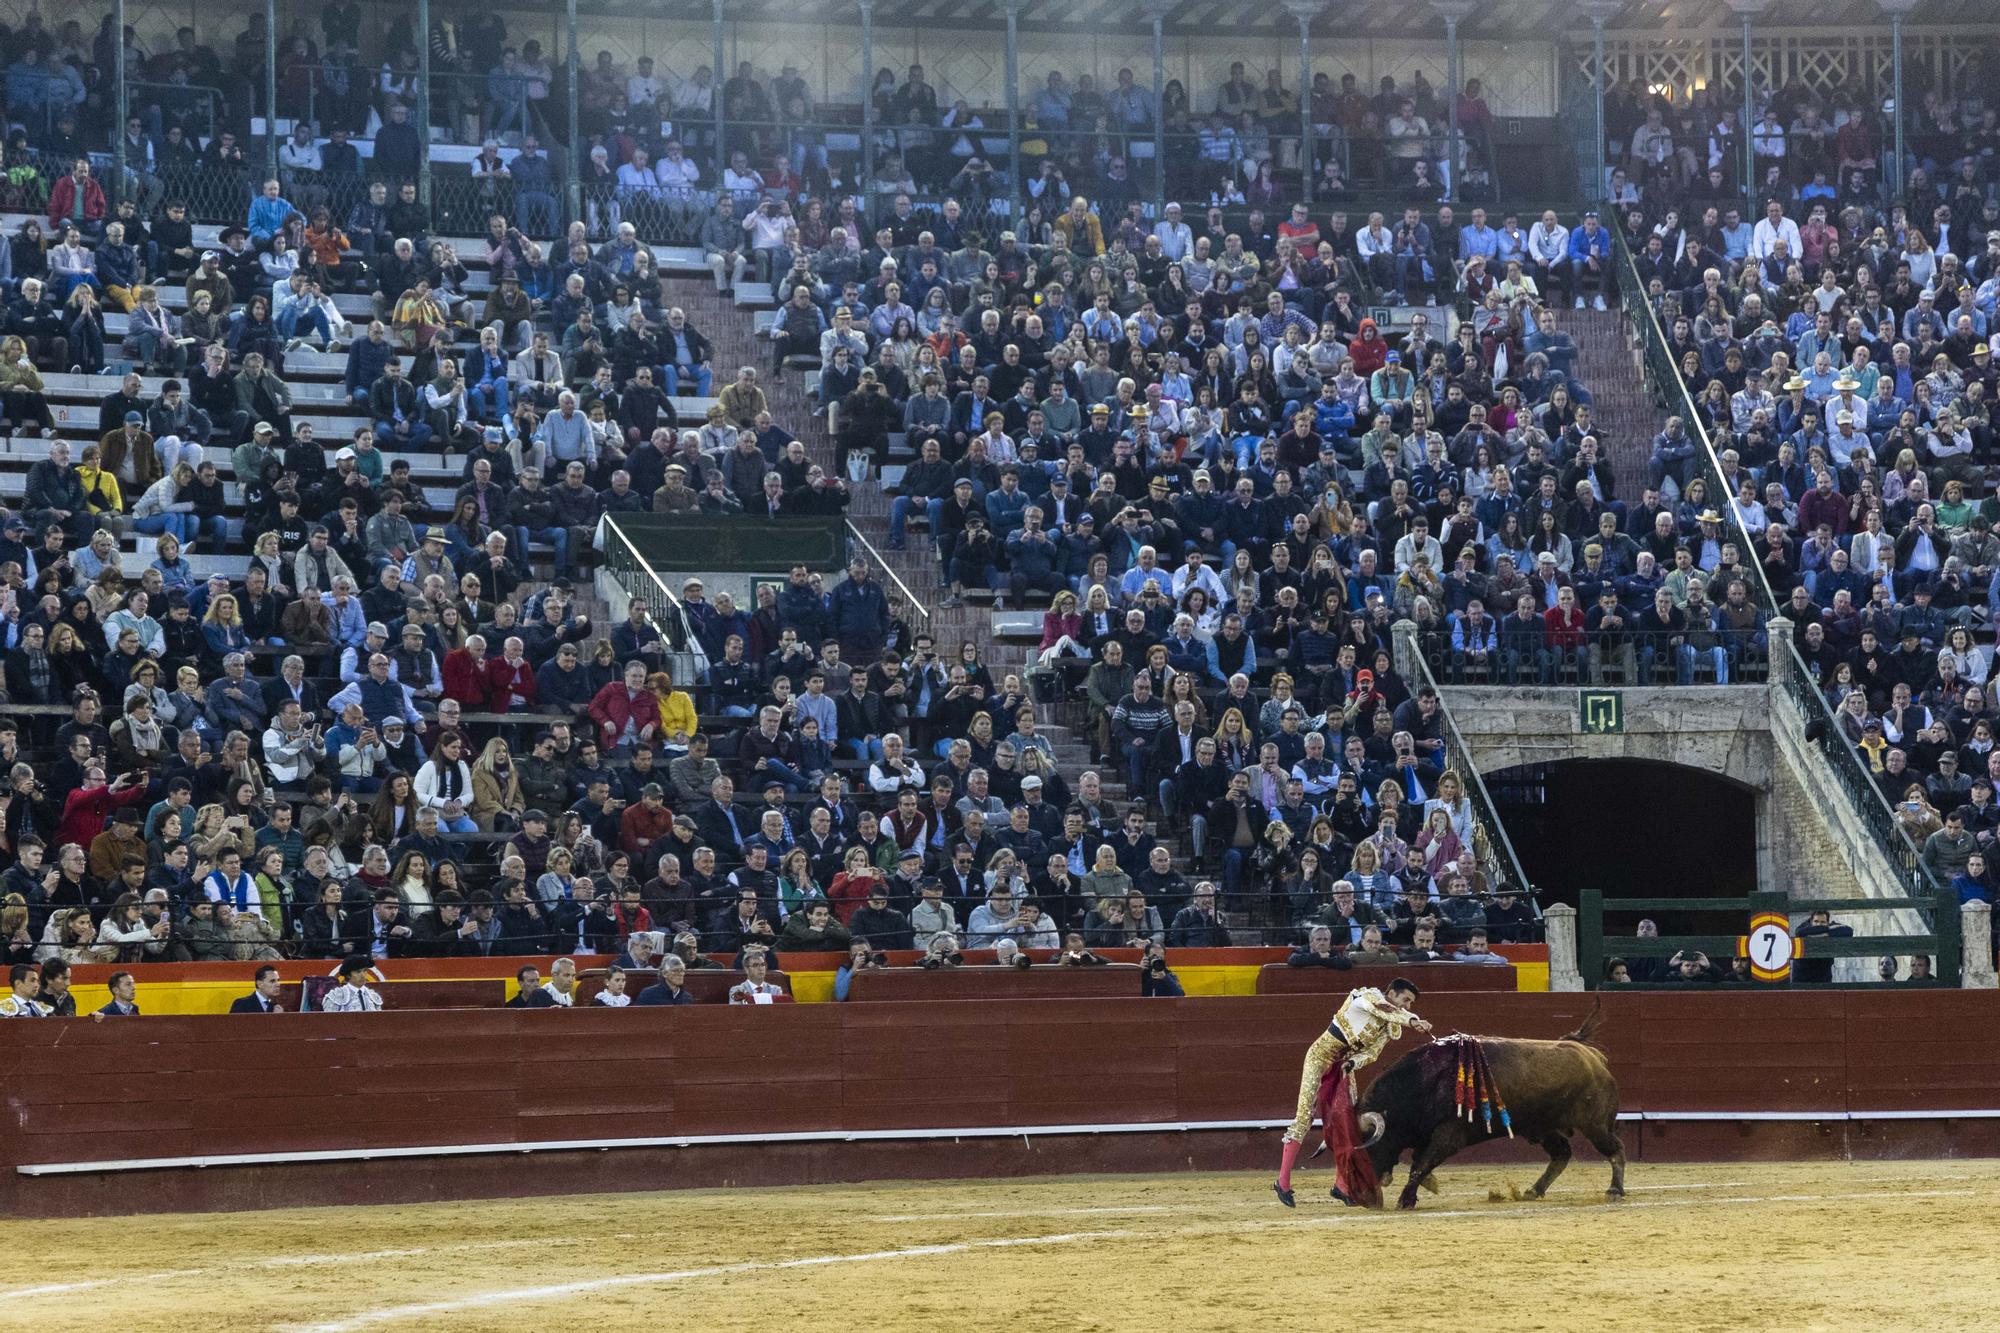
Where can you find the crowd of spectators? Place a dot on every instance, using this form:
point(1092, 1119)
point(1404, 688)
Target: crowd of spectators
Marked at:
point(393, 735)
point(1838, 350)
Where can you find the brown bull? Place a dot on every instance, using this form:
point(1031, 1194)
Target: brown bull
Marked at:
point(1552, 1089)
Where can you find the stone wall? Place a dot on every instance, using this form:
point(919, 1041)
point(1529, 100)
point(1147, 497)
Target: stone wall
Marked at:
point(1810, 842)
point(1718, 729)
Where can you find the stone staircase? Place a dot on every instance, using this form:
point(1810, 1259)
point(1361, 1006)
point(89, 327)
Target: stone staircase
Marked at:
point(1609, 366)
point(731, 327)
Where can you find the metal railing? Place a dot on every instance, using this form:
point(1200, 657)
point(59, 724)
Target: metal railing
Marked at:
point(197, 108)
point(1490, 843)
point(1625, 657)
point(1670, 391)
point(1856, 778)
point(1848, 766)
point(644, 585)
point(856, 539)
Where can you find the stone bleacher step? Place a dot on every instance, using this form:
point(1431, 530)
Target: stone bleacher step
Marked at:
point(64, 388)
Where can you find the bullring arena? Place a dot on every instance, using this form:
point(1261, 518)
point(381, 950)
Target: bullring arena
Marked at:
point(688, 1172)
point(1713, 1245)
point(731, 664)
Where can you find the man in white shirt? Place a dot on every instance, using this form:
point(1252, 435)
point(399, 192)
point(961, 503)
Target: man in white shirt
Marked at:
point(1176, 237)
point(636, 178)
point(230, 883)
point(1548, 253)
point(643, 93)
point(1196, 574)
point(561, 985)
point(292, 750)
point(1775, 227)
point(675, 169)
point(1376, 245)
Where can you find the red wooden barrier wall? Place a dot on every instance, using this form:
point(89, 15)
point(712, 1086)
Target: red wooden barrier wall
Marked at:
point(179, 1086)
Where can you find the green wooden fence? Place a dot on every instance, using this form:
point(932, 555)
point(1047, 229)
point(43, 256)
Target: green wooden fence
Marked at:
point(1941, 941)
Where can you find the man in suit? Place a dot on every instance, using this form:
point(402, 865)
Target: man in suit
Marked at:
point(529, 993)
point(671, 988)
point(716, 821)
point(123, 989)
point(291, 683)
point(263, 999)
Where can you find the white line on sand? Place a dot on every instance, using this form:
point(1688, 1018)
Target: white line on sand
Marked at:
point(486, 1300)
point(558, 1291)
point(1132, 1209)
point(272, 1262)
point(1021, 1212)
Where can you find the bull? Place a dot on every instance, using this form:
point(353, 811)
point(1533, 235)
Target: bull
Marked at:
point(1552, 1089)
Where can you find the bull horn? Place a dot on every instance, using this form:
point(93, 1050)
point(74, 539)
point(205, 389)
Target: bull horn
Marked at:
point(1373, 1125)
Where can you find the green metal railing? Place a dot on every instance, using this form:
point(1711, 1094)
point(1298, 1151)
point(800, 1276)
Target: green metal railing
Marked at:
point(1941, 941)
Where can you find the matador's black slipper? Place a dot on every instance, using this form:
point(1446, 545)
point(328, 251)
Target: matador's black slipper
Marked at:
point(1284, 1195)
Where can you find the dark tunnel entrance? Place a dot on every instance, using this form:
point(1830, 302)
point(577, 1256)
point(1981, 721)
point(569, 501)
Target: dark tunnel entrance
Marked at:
point(1634, 828)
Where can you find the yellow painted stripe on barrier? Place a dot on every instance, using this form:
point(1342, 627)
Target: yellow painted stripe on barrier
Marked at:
point(211, 997)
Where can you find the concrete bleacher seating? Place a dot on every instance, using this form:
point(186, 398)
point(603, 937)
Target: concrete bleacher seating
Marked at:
point(315, 378)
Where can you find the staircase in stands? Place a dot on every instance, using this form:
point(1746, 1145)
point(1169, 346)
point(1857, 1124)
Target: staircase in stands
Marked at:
point(730, 327)
point(1608, 364)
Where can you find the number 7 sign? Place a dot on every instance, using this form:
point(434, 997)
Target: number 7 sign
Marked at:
point(1770, 947)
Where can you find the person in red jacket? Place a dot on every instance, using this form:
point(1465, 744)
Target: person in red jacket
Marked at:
point(464, 672)
point(1369, 351)
point(86, 809)
point(63, 202)
point(646, 823)
point(627, 713)
point(510, 681)
point(1562, 637)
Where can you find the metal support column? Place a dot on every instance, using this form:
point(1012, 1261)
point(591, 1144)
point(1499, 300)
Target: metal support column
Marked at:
point(423, 108)
point(1015, 191)
point(115, 187)
point(1453, 12)
point(1159, 120)
point(574, 157)
point(1896, 76)
point(270, 89)
point(1452, 157)
point(867, 99)
point(715, 95)
point(1308, 144)
point(1749, 149)
point(1598, 89)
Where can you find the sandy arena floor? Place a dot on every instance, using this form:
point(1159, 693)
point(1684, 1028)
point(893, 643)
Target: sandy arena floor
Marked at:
point(1869, 1246)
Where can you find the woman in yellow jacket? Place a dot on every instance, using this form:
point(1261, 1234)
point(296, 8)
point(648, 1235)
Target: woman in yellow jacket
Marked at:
point(100, 490)
point(22, 399)
point(677, 716)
